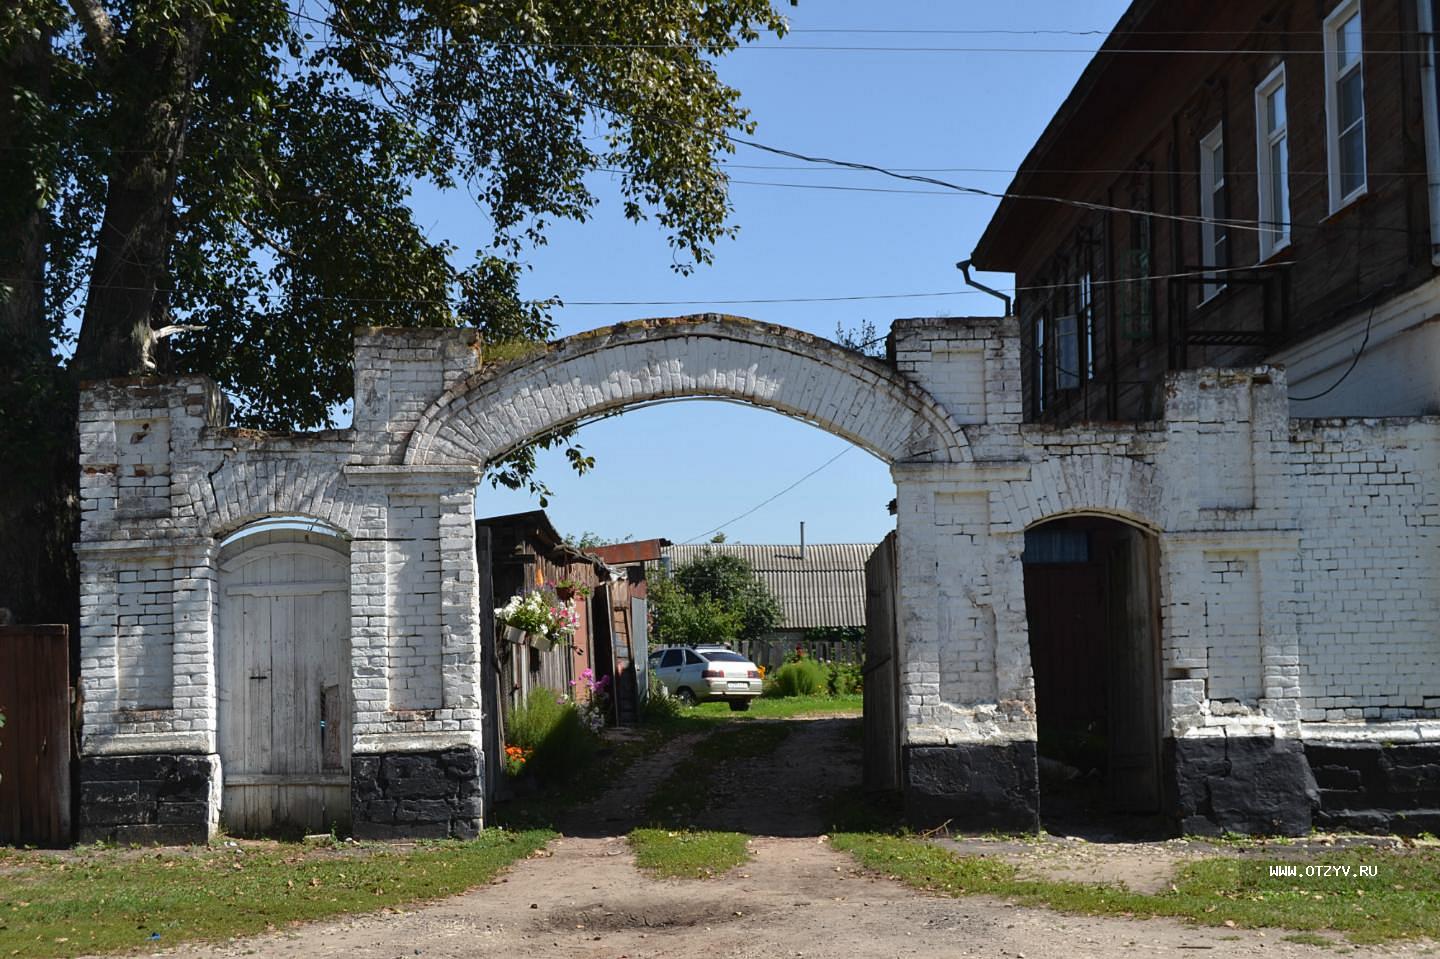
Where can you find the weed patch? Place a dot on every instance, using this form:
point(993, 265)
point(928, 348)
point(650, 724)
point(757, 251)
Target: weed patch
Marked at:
point(1400, 900)
point(108, 900)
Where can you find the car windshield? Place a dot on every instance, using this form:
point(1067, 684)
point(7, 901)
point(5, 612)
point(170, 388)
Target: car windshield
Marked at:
point(725, 657)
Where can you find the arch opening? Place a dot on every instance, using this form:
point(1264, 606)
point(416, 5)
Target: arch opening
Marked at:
point(1092, 606)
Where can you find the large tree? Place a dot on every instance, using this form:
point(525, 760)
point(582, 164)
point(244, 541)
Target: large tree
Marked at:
point(222, 187)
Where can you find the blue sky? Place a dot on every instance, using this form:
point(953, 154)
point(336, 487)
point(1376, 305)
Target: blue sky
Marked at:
point(680, 470)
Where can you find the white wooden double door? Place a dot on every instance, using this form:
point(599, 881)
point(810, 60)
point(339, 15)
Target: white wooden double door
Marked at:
point(283, 678)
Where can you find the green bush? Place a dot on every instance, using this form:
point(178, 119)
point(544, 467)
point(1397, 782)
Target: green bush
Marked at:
point(530, 723)
point(846, 678)
point(804, 677)
point(566, 749)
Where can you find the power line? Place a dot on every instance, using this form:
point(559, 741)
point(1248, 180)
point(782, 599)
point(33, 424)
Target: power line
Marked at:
point(1234, 223)
point(739, 301)
point(767, 502)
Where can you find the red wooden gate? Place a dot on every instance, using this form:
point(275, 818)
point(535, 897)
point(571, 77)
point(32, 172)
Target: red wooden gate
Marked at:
point(35, 741)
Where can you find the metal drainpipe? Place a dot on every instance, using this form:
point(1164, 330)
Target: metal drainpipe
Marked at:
point(964, 267)
point(1428, 99)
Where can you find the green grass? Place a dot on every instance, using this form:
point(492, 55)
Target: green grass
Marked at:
point(1402, 901)
point(687, 854)
point(108, 900)
point(786, 708)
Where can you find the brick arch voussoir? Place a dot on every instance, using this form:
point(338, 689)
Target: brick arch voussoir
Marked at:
point(808, 378)
point(1094, 484)
point(245, 491)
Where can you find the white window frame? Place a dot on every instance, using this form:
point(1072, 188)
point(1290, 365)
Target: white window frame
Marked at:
point(1041, 361)
point(1067, 341)
point(1212, 182)
point(1085, 306)
point(1274, 211)
point(1333, 76)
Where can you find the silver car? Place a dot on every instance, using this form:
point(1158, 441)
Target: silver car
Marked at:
point(694, 674)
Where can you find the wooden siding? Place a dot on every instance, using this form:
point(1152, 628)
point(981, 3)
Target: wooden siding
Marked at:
point(1153, 111)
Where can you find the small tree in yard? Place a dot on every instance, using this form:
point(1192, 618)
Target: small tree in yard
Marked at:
point(731, 582)
point(714, 599)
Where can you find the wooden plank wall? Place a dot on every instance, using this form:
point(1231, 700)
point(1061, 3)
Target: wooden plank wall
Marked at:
point(35, 741)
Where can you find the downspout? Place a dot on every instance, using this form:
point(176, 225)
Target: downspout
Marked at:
point(964, 267)
point(1428, 99)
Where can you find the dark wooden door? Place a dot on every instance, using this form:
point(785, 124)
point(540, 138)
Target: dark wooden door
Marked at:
point(1133, 682)
point(1065, 607)
point(35, 740)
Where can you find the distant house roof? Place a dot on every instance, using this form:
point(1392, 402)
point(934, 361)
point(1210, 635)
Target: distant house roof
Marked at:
point(826, 588)
point(624, 554)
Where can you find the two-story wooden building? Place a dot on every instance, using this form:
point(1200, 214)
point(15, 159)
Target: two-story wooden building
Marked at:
point(1231, 183)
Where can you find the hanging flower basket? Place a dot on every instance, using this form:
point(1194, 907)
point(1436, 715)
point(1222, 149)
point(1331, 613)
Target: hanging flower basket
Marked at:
point(539, 616)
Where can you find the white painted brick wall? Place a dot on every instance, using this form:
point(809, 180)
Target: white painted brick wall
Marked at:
point(413, 587)
point(1300, 564)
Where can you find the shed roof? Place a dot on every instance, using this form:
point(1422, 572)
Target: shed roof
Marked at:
point(826, 588)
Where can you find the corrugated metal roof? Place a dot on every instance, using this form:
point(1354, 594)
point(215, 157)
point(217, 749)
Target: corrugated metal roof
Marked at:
point(826, 588)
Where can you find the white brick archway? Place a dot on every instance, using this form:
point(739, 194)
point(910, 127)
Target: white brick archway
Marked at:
point(1298, 565)
point(863, 400)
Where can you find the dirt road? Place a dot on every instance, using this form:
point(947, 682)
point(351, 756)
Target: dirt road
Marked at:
point(798, 899)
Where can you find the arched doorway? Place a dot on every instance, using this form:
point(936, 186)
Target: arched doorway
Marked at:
point(1092, 602)
point(283, 681)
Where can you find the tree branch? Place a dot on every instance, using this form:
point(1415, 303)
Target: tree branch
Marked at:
point(99, 28)
point(174, 328)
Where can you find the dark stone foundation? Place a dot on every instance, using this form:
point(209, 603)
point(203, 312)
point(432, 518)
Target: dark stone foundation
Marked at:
point(1244, 784)
point(974, 787)
point(1377, 787)
point(146, 799)
point(434, 795)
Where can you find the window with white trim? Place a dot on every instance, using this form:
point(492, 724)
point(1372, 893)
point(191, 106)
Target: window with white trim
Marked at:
point(1085, 307)
point(1214, 232)
point(1272, 160)
point(1067, 352)
point(1040, 362)
point(1345, 104)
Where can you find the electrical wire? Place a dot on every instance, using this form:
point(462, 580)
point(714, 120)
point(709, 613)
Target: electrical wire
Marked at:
point(741, 301)
point(768, 501)
point(1354, 362)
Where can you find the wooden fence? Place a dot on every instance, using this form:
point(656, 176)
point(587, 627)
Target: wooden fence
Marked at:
point(771, 651)
point(35, 740)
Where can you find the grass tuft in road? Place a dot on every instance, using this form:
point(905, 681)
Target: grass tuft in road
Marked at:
point(683, 854)
point(107, 900)
point(1400, 901)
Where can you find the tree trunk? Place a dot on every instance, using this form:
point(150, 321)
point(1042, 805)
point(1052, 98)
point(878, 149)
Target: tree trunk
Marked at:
point(116, 337)
point(39, 513)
